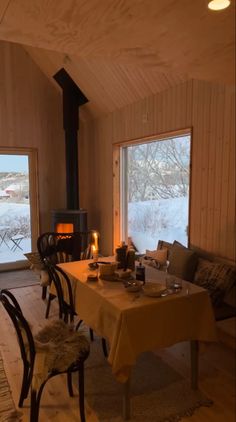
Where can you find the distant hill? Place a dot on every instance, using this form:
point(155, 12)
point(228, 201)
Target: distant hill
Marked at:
point(13, 178)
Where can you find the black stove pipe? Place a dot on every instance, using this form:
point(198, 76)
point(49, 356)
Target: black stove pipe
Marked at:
point(72, 99)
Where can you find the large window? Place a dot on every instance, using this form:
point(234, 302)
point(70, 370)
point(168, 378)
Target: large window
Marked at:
point(155, 191)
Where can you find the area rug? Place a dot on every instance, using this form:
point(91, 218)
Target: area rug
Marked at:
point(8, 412)
point(158, 392)
point(16, 279)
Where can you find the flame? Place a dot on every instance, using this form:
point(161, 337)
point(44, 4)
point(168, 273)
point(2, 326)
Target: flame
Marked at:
point(65, 228)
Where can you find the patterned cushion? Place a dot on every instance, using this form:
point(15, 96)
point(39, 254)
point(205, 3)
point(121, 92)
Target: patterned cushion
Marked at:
point(216, 278)
point(183, 262)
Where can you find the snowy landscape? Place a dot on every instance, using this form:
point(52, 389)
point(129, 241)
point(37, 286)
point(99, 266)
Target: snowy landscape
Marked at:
point(163, 219)
point(158, 192)
point(149, 221)
point(14, 216)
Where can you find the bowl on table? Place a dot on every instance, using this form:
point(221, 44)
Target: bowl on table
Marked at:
point(153, 289)
point(132, 286)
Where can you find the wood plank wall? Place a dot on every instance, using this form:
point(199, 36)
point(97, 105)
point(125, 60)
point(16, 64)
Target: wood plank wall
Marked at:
point(31, 116)
point(209, 109)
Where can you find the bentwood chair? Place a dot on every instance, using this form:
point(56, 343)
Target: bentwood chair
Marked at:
point(64, 352)
point(62, 247)
point(63, 288)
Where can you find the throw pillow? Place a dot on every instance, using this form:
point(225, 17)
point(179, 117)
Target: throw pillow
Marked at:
point(183, 262)
point(162, 244)
point(160, 255)
point(217, 278)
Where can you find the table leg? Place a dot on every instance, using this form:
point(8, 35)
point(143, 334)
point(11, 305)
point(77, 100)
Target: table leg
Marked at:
point(194, 364)
point(126, 400)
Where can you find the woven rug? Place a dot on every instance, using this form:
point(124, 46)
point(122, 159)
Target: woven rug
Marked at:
point(8, 412)
point(16, 279)
point(158, 392)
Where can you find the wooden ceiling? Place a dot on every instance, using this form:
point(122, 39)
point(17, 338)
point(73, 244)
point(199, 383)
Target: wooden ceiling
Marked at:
point(119, 51)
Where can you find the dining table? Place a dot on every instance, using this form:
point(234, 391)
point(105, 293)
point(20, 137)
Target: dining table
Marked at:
point(133, 323)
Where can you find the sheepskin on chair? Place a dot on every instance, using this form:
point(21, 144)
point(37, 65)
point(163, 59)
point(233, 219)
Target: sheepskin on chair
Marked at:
point(57, 347)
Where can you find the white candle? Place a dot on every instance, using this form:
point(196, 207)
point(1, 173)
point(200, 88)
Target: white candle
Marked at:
point(94, 253)
point(95, 235)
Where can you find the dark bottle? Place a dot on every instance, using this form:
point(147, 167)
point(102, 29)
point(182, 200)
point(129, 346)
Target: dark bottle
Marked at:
point(121, 252)
point(140, 272)
point(131, 259)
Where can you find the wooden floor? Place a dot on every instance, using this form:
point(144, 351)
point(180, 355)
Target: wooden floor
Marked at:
point(217, 371)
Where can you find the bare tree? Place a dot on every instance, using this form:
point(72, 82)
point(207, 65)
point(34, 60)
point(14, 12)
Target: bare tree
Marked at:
point(158, 169)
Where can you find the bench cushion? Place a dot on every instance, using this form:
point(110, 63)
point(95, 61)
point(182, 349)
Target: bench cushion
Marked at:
point(183, 262)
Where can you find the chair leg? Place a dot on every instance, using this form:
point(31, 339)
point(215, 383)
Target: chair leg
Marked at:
point(44, 292)
point(104, 347)
point(91, 334)
point(34, 407)
point(50, 298)
point(81, 392)
point(35, 403)
point(69, 384)
point(24, 387)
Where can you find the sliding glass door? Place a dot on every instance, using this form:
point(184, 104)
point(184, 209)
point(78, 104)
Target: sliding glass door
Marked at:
point(18, 206)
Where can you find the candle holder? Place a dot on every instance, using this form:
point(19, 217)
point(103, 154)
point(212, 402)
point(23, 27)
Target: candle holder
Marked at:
point(95, 256)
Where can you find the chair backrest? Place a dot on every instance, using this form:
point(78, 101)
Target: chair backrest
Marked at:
point(24, 334)
point(64, 247)
point(64, 291)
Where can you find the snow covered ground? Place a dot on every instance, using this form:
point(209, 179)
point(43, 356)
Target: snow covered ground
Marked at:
point(149, 221)
point(11, 214)
point(164, 219)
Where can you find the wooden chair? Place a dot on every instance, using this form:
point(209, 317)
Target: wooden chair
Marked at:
point(65, 299)
point(63, 247)
point(30, 346)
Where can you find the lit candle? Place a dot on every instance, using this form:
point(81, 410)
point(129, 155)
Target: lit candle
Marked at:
point(95, 235)
point(94, 253)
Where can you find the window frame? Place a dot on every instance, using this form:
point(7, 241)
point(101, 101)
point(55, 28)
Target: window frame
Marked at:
point(118, 162)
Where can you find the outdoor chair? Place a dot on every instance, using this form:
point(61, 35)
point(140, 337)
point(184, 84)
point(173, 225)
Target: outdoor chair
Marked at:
point(63, 349)
point(16, 240)
point(63, 247)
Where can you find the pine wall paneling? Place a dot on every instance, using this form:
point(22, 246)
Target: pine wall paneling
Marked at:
point(31, 117)
point(208, 109)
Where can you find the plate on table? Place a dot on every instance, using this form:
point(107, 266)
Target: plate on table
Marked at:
point(153, 289)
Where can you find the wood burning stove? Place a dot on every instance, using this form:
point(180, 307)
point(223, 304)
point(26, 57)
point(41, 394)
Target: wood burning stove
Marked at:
point(69, 221)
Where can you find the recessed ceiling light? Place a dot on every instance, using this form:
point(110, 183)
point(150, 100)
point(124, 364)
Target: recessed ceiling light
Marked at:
point(218, 4)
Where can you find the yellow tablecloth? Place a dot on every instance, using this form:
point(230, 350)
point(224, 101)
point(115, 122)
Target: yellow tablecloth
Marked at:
point(133, 325)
